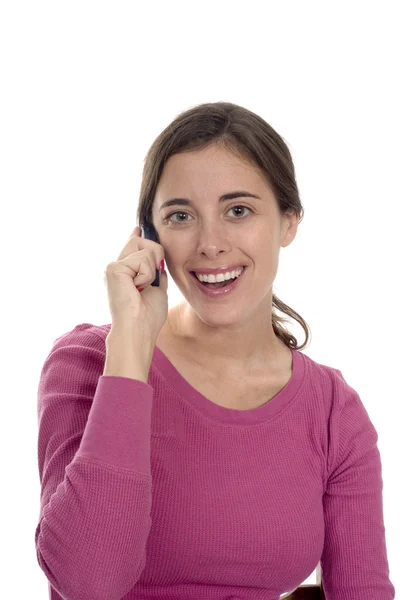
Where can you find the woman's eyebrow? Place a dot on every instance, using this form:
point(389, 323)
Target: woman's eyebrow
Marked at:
point(229, 196)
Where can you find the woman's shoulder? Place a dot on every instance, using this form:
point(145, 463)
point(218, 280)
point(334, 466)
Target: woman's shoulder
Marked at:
point(83, 332)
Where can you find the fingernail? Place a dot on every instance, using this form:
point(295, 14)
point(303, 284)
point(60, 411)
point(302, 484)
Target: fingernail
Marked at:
point(162, 264)
point(139, 289)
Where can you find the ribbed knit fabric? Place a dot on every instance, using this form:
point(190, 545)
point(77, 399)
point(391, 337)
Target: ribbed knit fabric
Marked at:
point(152, 491)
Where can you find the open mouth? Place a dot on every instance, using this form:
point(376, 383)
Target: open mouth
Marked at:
point(226, 284)
point(218, 284)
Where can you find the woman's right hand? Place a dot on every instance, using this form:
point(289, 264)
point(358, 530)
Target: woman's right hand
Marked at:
point(136, 267)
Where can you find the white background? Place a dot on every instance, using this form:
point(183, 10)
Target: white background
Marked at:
point(85, 89)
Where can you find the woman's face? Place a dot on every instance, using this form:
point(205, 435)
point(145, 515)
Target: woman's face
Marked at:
point(206, 232)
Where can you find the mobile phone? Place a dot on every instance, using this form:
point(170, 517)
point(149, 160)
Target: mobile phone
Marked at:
point(149, 233)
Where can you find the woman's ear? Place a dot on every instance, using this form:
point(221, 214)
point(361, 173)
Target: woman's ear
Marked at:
point(290, 222)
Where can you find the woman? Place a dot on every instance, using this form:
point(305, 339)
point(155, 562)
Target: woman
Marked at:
point(196, 452)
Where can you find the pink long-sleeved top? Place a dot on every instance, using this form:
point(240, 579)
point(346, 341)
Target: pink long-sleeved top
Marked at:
point(150, 490)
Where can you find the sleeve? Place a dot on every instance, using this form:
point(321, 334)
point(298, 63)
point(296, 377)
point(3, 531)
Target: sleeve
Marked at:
point(354, 559)
point(94, 467)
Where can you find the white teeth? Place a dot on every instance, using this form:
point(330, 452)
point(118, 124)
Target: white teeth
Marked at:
point(220, 277)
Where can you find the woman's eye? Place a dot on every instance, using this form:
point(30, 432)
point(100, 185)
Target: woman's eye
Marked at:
point(181, 212)
point(234, 207)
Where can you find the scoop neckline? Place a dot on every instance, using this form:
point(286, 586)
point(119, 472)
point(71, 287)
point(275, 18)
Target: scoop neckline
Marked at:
point(193, 397)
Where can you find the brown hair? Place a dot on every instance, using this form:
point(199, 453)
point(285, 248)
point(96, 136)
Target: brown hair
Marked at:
point(245, 134)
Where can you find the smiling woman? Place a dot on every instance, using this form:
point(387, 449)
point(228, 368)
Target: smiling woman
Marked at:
point(266, 165)
point(209, 232)
point(228, 464)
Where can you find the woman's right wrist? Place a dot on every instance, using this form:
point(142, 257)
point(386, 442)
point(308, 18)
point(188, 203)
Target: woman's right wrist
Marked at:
point(128, 355)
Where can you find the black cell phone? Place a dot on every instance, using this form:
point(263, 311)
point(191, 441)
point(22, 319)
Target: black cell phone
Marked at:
point(149, 233)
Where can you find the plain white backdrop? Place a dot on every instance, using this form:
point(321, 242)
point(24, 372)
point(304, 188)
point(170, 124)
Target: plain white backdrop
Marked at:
point(85, 89)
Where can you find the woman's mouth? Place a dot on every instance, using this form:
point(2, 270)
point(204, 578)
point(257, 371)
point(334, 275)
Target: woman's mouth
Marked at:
point(221, 288)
